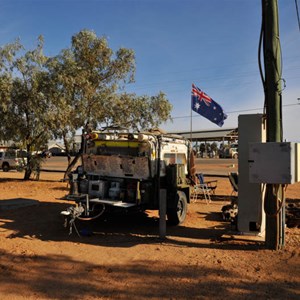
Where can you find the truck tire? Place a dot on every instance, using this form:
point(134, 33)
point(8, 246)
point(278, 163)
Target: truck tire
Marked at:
point(5, 167)
point(177, 214)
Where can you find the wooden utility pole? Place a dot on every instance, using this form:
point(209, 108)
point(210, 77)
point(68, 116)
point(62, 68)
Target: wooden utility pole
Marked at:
point(274, 202)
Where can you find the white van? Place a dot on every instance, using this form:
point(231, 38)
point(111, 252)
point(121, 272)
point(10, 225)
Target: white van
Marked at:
point(13, 159)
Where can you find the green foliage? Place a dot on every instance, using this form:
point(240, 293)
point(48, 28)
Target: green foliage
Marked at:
point(24, 107)
point(83, 83)
point(202, 147)
point(84, 76)
point(55, 96)
point(214, 146)
point(138, 112)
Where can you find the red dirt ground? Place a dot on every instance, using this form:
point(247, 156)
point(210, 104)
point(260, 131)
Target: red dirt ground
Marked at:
point(125, 259)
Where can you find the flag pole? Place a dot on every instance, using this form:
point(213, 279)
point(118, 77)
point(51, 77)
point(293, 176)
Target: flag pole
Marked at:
point(191, 125)
point(191, 121)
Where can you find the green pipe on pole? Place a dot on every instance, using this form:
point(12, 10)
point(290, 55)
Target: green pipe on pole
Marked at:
point(273, 106)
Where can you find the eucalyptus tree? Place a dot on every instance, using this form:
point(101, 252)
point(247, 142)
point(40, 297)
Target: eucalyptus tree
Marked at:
point(85, 83)
point(137, 112)
point(24, 109)
point(82, 79)
point(7, 57)
point(55, 96)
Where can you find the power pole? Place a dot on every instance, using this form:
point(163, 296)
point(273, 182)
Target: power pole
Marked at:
point(274, 202)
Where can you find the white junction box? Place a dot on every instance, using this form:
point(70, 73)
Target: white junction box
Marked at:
point(251, 216)
point(274, 163)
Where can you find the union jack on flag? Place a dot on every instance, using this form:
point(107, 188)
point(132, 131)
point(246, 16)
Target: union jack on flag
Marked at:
point(207, 107)
point(196, 92)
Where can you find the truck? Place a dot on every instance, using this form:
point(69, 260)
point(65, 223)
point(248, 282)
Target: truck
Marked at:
point(12, 159)
point(229, 152)
point(128, 171)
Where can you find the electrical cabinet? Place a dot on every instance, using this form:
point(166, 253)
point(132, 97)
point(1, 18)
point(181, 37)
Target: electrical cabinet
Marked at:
point(274, 163)
point(297, 158)
point(251, 215)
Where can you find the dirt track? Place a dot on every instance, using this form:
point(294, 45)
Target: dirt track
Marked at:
point(124, 258)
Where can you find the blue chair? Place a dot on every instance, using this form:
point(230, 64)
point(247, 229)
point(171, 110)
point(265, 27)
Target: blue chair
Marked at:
point(211, 185)
point(206, 188)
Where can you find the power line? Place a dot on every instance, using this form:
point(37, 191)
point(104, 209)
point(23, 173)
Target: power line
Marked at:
point(215, 68)
point(226, 76)
point(235, 111)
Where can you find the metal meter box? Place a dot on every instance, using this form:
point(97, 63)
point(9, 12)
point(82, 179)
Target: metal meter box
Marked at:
point(297, 158)
point(274, 163)
point(251, 216)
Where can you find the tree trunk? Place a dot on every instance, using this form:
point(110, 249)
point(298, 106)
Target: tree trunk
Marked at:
point(72, 164)
point(28, 167)
point(67, 149)
point(27, 174)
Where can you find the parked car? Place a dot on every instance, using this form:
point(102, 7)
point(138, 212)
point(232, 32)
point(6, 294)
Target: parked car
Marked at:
point(229, 152)
point(13, 159)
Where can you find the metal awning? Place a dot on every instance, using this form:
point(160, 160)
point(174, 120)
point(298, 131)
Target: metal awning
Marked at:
point(230, 134)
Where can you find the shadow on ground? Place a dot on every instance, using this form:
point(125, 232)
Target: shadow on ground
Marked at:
point(44, 222)
point(61, 277)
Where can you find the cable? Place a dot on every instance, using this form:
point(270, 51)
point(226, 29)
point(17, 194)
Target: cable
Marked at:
point(206, 77)
point(235, 111)
point(297, 11)
point(259, 55)
point(276, 188)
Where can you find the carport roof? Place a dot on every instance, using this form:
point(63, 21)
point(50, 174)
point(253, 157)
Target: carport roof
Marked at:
point(228, 134)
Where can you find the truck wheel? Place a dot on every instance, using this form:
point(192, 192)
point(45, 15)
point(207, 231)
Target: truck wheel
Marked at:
point(5, 167)
point(177, 214)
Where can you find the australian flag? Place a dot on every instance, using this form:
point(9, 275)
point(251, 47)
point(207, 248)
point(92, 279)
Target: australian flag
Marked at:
point(207, 107)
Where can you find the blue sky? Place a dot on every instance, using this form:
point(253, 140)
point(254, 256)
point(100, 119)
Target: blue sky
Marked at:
point(212, 43)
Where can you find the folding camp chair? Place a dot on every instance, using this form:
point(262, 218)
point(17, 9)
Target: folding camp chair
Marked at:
point(205, 188)
point(211, 185)
point(234, 181)
point(199, 190)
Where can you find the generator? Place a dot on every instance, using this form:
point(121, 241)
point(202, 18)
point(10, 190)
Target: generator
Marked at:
point(122, 170)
